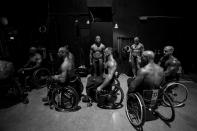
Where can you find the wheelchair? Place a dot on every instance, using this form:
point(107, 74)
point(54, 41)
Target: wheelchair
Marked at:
point(36, 78)
point(177, 92)
point(65, 97)
point(110, 97)
point(138, 103)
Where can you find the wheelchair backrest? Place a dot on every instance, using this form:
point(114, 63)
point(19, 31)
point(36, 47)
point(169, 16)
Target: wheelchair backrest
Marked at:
point(150, 96)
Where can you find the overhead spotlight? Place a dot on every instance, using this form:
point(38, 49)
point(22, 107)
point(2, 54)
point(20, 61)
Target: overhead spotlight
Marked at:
point(76, 21)
point(143, 17)
point(116, 26)
point(87, 22)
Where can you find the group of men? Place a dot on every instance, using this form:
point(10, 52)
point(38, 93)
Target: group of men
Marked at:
point(146, 71)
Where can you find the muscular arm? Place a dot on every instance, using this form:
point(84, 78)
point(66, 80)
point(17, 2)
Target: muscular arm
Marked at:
point(172, 68)
point(63, 75)
point(136, 82)
point(109, 76)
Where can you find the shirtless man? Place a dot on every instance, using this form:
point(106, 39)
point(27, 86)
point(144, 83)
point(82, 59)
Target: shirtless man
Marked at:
point(34, 61)
point(96, 85)
point(148, 77)
point(66, 68)
point(171, 65)
point(97, 56)
point(135, 54)
point(110, 68)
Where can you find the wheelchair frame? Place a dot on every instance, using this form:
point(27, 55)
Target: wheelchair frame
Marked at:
point(151, 103)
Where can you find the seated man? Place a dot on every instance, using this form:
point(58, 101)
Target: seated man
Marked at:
point(170, 64)
point(148, 77)
point(8, 81)
point(67, 72)
point(100, 83)
point(33, 63)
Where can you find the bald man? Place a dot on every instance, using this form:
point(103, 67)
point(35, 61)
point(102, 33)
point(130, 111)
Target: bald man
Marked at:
point(100, 83)
point(66, 70)
point(110, 68)
point(67, 65)
point(97, 56)
point(171, 65)
point(148, 77)
point(135, 55)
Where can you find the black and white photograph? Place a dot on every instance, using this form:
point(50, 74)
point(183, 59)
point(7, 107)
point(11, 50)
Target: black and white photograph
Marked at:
point(98, 65)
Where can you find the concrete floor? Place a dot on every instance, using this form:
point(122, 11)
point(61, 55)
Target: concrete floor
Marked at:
point(37, 117)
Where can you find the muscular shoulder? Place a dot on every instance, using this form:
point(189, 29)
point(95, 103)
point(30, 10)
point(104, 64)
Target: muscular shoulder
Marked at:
point(141, 45)
point(93, 46)
point(37, 55)
point(173, 61)
point(102, 45)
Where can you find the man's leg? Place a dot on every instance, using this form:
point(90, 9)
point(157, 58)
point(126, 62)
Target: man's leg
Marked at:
point(133, 63)
point(100, 67)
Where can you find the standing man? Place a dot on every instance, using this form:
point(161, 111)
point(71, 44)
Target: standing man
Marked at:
point(135, 55)
point(97, 56)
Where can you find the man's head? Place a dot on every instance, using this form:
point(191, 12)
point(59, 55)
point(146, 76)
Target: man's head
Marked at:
point(136, 40)
point(32, 50)
point(108, 51)
point(63, 51)
point(168, 50)
point(147, 56)
point(97, 39)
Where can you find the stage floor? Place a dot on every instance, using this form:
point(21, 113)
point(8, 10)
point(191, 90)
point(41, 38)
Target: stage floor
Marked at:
point(37, 117)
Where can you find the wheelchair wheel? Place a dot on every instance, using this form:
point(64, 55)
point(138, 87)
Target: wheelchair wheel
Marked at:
point(166, 113)
point(40, 77)
point(111, 99)
point(177, 92)
point(118, 93)
point(65, 98)
point(135, 109)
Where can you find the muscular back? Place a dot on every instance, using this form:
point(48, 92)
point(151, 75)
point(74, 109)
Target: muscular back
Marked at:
point(171, 66)
point(153, 75)
point(148, 77)
point(110, 66)
point(66, 68)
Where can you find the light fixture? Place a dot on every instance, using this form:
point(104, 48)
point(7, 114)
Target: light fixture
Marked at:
point(76, 21)
point(116, 26)
point(87, 22)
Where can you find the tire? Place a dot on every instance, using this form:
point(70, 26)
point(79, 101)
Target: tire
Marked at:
point(172, 116)
point(134, 99)
point(114, 92)
point(111, 98)
point(68, 96)
point(177, 92)
point(40, 77)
